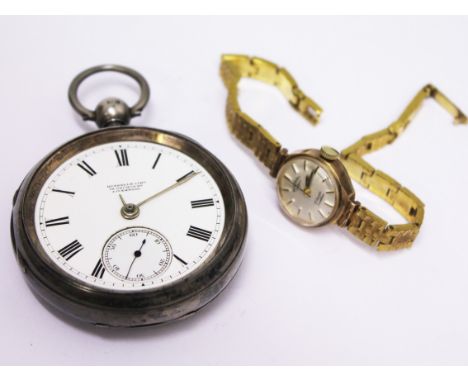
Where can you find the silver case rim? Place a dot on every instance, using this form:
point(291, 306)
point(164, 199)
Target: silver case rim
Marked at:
point(127, 309)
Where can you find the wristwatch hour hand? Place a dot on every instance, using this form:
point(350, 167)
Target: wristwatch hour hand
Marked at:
point(296, 185)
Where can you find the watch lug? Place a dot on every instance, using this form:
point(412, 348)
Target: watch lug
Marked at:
point(345, 217)
point(282, 157)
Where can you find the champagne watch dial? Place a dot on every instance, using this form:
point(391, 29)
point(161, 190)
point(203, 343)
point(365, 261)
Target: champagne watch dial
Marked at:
point(308, 192)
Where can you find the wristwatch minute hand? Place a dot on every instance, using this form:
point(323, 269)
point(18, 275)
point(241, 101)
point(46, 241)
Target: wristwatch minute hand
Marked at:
point(308, 180)
point(310, 176)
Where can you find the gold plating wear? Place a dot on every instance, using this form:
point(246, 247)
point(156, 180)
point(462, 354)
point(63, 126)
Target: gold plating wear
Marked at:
point(343, 209)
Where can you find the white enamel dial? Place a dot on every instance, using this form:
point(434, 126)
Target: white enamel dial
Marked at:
point(308, 192)
point(80, 225)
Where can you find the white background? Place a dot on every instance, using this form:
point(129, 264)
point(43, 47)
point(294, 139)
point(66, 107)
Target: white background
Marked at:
point(301, 296)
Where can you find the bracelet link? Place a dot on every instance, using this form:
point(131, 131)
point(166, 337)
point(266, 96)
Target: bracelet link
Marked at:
point(398, 237)
point(370, 228)
point(384, 186)
point(249, 132)
point(306, 106)
point(402, 199)
point(264, 70)
point(409, 206)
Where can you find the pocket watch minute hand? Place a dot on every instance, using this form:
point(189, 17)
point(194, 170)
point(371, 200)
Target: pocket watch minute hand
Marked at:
point(131, 211)
point(178, 182)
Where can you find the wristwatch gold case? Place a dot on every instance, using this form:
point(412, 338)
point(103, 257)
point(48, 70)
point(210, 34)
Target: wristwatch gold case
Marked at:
point(303, 201)
point(327, 202)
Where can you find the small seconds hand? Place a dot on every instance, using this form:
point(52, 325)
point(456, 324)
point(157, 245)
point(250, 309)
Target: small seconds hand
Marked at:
point(136, 254)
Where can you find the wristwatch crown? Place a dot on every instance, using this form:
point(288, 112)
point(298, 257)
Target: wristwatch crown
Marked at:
point(329, 153)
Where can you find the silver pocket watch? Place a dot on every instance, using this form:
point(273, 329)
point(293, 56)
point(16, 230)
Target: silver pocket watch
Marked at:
point(128, 226)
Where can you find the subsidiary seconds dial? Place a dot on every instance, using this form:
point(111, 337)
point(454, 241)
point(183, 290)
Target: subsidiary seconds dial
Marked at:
point(137, 254)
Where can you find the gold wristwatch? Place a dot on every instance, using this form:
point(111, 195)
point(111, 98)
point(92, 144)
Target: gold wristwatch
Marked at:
point(314, 186)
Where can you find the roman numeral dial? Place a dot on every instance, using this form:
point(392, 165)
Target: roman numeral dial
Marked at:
point(70, 250)
point(199, 233)
point(86, 168)
point(202, 203)
point(122, 157)
point(79, 210)
point(98, 270)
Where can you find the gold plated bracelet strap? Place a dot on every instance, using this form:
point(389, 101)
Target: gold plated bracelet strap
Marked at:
point(362, 222)
point(248, 131)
